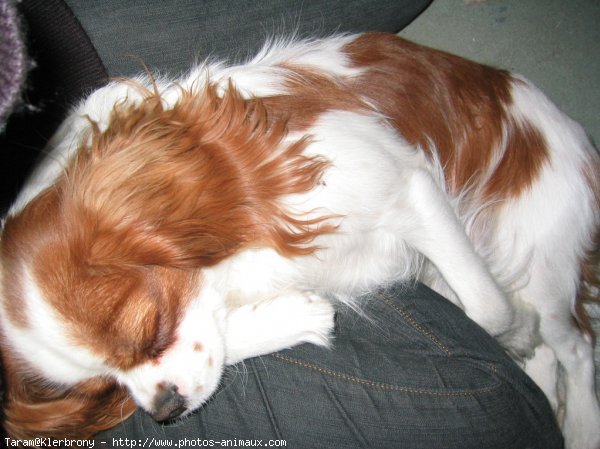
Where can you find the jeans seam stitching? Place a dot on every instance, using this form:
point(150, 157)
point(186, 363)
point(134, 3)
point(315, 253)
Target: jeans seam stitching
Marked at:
point(415, 324)
point(386, 386)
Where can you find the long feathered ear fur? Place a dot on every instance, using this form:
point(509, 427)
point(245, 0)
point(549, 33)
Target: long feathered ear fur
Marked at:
point(189, 185)
point(35, 409)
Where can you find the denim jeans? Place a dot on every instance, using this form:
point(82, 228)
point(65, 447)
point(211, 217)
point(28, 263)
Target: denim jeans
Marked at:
point(412, 371)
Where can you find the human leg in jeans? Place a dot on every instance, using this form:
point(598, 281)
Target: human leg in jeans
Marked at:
point(411, 372)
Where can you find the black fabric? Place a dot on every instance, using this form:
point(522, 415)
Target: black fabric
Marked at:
point(169, 35)
point(64, 66)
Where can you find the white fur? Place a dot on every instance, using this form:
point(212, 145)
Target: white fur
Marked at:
point(395, 219)
point(46, 343)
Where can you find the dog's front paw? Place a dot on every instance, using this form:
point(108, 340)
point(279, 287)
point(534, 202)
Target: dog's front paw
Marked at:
point(279, 323)
point(309, 318)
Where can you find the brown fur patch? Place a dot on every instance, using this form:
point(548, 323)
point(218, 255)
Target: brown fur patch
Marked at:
point(310, 94)
point(524, 155)
point(452, 106)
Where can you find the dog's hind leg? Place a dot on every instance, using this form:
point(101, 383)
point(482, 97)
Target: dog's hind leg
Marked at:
point(551, 288)
point(543, 369)
point(574, 352)
point(572, 349)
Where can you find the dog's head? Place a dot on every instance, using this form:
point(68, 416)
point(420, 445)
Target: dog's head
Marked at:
point(84, 337)
point(106, 295)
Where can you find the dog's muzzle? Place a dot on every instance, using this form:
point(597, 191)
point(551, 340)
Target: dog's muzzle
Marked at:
point(168, 403)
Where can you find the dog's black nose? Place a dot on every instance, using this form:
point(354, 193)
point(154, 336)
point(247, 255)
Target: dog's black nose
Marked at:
point(168, 403)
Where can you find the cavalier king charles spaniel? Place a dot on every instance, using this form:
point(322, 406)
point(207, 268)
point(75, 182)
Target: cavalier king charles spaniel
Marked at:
point(180, 225)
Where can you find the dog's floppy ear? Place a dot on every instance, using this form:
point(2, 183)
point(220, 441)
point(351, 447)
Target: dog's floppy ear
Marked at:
point(188, 186)
point(33, 408)
point(73, 413)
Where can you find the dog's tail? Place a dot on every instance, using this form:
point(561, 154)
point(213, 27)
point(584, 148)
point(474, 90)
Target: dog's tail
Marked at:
point(589, 287)
point(589, 290)
point(590, 268)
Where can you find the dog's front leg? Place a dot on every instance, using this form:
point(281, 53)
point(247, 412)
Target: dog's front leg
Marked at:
point(278, 323)
point(436, 232)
